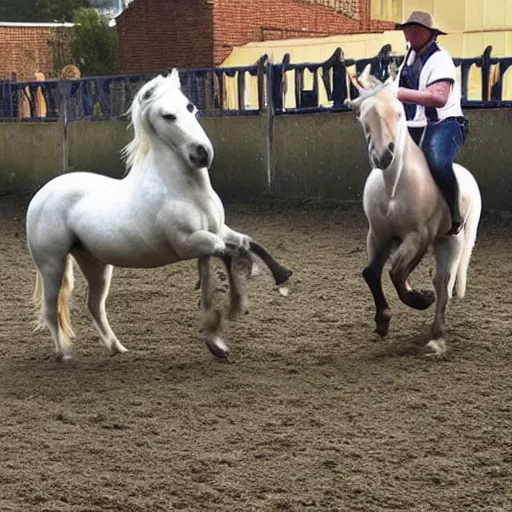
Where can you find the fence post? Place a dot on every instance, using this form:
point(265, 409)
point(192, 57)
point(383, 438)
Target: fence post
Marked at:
point(486, 67)
point(269, 70)
point(64, 87)
point(464, 79)
point(339, 79)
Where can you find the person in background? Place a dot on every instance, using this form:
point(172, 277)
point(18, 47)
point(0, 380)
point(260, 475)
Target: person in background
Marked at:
point(430, 93)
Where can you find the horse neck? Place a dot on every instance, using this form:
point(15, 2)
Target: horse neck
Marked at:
point(164, 165)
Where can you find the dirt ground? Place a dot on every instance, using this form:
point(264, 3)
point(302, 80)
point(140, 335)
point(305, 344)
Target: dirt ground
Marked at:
point(312, 412)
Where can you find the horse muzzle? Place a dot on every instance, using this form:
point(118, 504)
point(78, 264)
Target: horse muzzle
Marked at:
point(200, 156)
point(383, 159)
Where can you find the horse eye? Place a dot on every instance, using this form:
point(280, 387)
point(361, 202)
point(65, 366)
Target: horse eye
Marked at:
point(148, 94)
point(190, 108)
point(169, 117)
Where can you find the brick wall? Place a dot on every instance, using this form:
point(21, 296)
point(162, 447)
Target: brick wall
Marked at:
point(24, 50)
point(237, 22)
point(156, 35)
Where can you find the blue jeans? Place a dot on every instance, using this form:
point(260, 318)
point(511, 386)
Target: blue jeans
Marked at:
point(441, 142)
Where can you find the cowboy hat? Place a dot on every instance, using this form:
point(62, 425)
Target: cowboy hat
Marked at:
point(423, 19)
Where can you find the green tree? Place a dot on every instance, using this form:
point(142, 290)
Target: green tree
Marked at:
point(90, 44)
point(39, 10)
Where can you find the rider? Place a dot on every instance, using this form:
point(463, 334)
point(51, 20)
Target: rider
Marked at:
point(431, 96)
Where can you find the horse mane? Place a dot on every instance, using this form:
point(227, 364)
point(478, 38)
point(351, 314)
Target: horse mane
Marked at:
point(364, 94)
point(135, 151)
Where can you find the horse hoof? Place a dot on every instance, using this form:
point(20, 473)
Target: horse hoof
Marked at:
point(429, 296)
point(118, 349)
point(382, 330)
point(218, 348)
point(421, 299)
point(282, 275)
point(436, 348)
point(64, 358)
point(382, 322)
point(234, 313)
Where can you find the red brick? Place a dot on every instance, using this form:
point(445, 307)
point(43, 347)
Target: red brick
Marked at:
point(156, 35)
point(24, 50)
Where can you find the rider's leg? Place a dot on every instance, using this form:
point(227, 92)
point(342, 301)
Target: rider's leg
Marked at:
point(441, 142)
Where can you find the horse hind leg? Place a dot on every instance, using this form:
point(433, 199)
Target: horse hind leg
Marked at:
point(405, 260)
point(378, 254)
point(54, 284)
point(211, 319)
point(238, 300)
point(98, 277)
point(447, 252)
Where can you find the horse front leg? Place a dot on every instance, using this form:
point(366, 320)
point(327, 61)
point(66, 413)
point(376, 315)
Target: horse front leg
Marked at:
point(406, 258)
point(378, 253)
point(238, 302)
point(280, 273)
point(203, 245)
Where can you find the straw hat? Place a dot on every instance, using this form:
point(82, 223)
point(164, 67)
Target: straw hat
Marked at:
point(423, 19)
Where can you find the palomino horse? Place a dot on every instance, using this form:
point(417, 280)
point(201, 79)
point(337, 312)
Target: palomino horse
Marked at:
point(404, 207)
point(163, 211)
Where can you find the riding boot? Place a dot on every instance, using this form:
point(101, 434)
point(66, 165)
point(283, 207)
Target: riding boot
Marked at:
point(457, 221)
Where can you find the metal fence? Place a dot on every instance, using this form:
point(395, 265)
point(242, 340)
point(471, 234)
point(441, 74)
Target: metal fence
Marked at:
point(281, 88)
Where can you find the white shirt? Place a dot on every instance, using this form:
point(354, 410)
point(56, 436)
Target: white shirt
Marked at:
point(438, 67)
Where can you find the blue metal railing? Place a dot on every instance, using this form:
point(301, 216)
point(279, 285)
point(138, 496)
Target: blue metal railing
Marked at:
point(331, 75)
point(109, 97)
point(224, 91)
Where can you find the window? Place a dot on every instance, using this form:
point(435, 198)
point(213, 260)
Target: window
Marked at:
point(346, 7)
point(386, 10)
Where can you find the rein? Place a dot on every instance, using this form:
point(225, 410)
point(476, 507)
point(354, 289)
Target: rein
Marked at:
point(397, 162)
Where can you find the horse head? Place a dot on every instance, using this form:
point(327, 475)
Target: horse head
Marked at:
point(381, 115)
point(161, 109)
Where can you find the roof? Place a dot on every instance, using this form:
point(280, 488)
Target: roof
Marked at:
point(319, 49)
point(34, 25)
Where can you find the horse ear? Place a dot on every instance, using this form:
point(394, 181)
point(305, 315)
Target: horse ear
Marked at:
point(355, 82)
point(175, 78)
point(365, 77)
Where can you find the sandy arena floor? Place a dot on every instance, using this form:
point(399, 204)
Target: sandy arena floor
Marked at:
point(312, 412)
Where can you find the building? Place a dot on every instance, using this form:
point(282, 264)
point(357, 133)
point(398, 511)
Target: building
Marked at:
point(110, 8)
point(24, 49)
point(158, 34)
point(472, 26)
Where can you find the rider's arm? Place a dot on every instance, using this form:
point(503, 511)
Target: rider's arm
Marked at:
point(436, 94)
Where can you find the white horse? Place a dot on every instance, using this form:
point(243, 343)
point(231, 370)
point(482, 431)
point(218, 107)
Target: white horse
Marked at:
point(163, 211)
point(404, 207)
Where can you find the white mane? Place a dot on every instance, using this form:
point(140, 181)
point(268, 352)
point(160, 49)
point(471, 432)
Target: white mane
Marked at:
point(135, 151)
point(366, 93)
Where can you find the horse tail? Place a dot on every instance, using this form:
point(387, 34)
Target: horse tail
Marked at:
point(66, 287)
point(469, 233)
